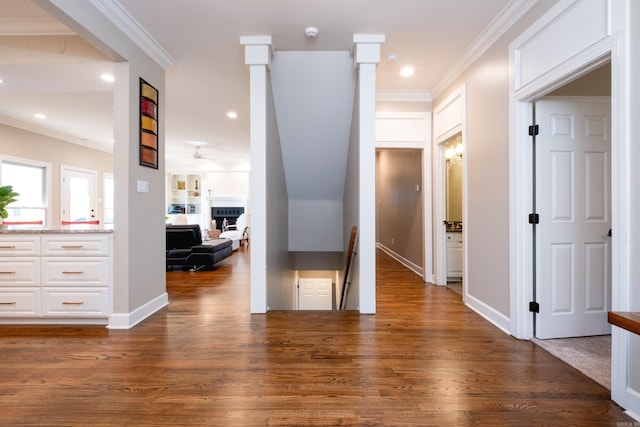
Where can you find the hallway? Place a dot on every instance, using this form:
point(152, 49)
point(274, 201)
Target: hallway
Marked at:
point(423, 359)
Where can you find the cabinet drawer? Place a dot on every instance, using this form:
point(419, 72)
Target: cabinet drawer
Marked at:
point(454, 237)
point(71, 302)
point(19, 271)
point(71, 272)
point(19, 246)
point(75, 245)
point(19, 302)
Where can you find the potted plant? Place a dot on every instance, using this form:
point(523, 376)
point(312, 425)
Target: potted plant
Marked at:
point(7, 195)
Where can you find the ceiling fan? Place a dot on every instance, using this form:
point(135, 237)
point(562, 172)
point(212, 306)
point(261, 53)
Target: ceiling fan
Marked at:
point(197, 154)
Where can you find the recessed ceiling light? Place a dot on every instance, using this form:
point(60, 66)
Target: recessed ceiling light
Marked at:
point(232, 115)
point(407, 71)
point(108, 77)
point(39, 116)
point(0, 80)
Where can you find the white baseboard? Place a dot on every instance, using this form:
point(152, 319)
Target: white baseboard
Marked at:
point(410, 265)
point(498, 319)
point(129, 320)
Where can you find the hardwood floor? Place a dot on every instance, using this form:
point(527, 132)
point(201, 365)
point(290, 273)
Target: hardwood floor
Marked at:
point(423, 359)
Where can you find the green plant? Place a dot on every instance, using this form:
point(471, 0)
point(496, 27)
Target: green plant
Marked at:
point(7, 195)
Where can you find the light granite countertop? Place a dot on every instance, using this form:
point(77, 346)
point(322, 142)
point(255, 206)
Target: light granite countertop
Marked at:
point(60, 229)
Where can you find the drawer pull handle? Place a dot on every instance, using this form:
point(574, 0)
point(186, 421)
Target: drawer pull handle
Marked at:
point(72, 303)
point(8, 247)
point(7, 272)
point(72, 272)
point(8, 303)
point(72, 246)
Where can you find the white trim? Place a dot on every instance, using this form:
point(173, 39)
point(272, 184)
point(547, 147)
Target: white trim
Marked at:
point(64, 198)
point(616, 46)
point(48, 171)
point(125, 22)
point(498, 319)
point(449, 119)
point(427, 187)
point(129, 320)
point(507, 17)
point(410, 265)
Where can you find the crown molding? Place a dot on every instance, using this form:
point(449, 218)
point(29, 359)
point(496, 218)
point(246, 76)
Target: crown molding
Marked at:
point(507, 18)
point(389, 95)
point(126, 23)
point(33, 27)
point(40, 130)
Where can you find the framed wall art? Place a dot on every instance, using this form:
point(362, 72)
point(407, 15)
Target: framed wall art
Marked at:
point(148, 125)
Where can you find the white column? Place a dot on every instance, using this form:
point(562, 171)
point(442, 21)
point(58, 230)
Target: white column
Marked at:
point(367, 56)
point(257, 55)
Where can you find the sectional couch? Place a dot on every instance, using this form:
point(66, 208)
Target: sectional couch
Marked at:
point(185, 248)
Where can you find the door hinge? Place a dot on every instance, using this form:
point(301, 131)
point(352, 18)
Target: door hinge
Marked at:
point(534, 130)
point(534, 218)
point(534, 307)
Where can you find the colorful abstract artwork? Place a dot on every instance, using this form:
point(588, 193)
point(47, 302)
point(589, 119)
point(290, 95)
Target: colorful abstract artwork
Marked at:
point(148, 125)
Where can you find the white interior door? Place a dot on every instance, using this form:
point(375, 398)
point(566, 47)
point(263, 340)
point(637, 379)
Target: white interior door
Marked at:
point(79, 201)
point(314, 294)
point(573, 186)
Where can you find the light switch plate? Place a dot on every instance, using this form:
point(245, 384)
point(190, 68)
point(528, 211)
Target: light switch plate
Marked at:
point(143, 186)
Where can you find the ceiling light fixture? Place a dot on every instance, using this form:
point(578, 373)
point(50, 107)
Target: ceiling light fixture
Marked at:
point(197, 143)
point(311, 32)
point(39, 116)
point(108, 77)
point(407, 71)
point(232, 115)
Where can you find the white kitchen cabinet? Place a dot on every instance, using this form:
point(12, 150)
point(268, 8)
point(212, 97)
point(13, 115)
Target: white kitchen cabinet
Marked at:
point(55, 278)
point(454, 255)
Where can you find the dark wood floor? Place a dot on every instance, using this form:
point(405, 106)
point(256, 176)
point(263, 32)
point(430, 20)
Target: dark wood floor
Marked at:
point(423, 359)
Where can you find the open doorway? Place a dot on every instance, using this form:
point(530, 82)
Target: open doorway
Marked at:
point(400, 205)
point(572, 175)
point(453, 153)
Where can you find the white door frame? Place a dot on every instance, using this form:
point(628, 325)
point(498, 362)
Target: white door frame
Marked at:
point(64, 198)
point(411, 141)
point(449, 119)
point(534, 73)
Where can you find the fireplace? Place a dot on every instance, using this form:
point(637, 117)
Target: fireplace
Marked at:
point(218, 214)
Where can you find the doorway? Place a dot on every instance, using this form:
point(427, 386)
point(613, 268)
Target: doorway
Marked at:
point(453, 154)
point(400, 206)
point(574, 294)
point(572, 200)
point(78, 194)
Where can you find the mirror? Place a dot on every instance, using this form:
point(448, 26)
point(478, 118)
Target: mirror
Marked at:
point(453, 155)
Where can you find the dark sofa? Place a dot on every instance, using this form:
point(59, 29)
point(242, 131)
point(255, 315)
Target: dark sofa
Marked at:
point(185, 248)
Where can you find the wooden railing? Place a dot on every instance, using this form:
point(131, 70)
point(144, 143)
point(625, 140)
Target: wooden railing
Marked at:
point(629, 320)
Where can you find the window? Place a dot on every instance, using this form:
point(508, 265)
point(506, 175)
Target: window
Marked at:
point(108, 197)
point(29, 179)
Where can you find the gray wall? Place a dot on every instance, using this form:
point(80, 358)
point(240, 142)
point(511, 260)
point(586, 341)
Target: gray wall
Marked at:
point(28, 145)
point(487, 153)
point(280, 277)
point(399, 205)
point(351, 210)
point(138, 242)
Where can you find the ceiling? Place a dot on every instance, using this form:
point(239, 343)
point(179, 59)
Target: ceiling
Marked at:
point(57, 73)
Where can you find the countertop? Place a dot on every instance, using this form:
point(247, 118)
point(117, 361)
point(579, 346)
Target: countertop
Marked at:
point(60, 229)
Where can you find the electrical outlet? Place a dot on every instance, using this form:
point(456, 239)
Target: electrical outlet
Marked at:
point(393, 241)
